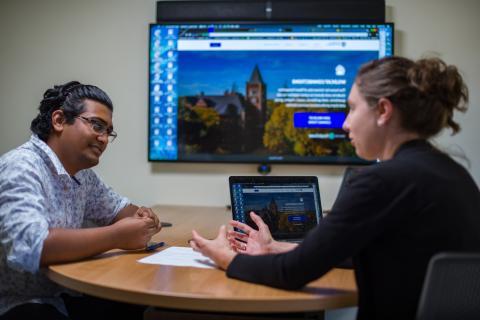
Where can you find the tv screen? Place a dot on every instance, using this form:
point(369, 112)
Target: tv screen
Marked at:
point(261, 93)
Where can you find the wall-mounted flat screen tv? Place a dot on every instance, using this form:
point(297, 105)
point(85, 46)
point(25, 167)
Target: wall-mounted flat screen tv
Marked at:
point(259, 93)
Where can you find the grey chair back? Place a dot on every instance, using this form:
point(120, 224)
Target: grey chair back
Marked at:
point(452, 288)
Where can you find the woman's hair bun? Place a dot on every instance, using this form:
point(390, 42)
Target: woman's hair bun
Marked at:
point(426, 92)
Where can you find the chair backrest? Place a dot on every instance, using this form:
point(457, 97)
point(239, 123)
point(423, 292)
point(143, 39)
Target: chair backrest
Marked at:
point(452, 288)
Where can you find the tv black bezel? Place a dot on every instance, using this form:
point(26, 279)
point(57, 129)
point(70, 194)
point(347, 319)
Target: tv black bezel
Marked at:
point(344, 161)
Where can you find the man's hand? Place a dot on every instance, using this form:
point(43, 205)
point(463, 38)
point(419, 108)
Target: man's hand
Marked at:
point(144, 212)
point(217, 249)
point(132, 228)
point(135, 232)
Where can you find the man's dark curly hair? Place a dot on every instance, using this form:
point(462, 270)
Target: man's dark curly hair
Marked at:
point(68, 97)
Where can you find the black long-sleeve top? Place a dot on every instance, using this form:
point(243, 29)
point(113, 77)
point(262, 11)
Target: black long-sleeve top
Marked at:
point(391, 217)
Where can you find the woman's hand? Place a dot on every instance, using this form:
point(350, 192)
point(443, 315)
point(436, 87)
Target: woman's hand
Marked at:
point(217, 249)
point(250, 241)
point(256, 242)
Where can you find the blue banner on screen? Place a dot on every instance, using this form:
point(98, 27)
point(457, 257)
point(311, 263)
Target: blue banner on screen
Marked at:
point(331, 120)
point(296, 219)
point(233, 92)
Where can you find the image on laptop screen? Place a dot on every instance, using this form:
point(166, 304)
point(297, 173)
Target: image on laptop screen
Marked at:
point(290, 206)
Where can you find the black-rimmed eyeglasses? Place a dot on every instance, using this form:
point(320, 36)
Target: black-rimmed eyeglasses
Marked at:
point(100, 127)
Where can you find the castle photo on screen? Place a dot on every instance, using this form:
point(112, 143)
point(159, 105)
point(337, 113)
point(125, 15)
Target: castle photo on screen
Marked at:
point(263, 103)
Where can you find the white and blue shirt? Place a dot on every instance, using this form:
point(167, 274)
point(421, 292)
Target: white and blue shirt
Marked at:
point(36, 194)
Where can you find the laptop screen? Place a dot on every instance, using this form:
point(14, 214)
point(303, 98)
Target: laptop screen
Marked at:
point(290, 206)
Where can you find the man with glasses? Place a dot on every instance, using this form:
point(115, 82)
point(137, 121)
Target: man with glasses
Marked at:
point(48, 192)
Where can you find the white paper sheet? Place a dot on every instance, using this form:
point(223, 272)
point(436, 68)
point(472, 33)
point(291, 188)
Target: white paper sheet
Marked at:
point(179, 256)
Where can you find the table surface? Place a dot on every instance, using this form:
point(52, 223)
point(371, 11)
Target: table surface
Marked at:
point(118, 275)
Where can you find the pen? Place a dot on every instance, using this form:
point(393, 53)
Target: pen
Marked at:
point(154, 245)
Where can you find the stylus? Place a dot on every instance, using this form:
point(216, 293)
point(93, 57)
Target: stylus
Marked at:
point(154, 245)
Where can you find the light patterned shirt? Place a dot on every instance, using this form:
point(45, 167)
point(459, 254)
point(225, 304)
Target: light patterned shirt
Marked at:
point(36, 193)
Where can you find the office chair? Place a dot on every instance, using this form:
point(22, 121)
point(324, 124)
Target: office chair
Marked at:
point(452, 288)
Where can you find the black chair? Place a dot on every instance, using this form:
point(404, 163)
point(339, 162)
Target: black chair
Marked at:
point(452, 288)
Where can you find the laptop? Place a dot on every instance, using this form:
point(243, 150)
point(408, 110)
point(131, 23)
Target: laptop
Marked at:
point(289, 205)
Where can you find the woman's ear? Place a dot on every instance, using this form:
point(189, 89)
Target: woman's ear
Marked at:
point(385, 111)
point(58, 120)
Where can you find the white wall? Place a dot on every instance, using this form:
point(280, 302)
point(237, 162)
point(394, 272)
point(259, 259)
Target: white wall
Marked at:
point(104, 42)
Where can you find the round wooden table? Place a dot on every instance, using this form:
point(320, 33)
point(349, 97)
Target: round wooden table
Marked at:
point(118, 276)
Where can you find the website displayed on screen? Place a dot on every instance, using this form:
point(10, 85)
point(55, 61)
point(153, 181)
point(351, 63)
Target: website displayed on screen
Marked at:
point(261, 93)
point(290, 210)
